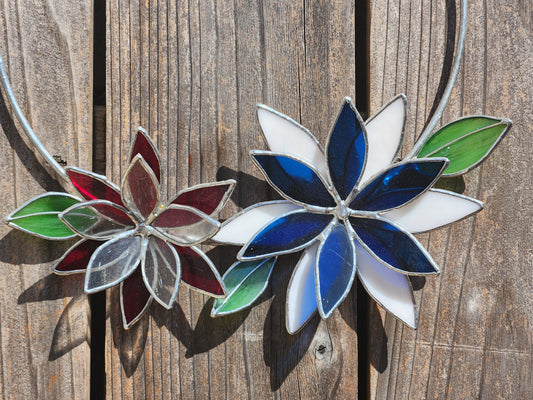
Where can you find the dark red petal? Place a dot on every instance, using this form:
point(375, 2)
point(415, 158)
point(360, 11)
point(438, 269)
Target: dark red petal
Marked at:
point(112, 212)
point(140, 190)
point(92, 188)
point(134, 297)
point(145, 147)
point(78, 256)
point(176, 217)
point(196, 272)
point(205, 199)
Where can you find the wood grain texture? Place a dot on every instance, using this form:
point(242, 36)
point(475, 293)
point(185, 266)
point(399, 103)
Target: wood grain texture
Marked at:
point(47, 50)
point(191, 73)
point(475, 330)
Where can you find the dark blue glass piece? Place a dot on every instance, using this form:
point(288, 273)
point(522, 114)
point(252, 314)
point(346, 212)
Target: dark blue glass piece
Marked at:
point(398, 185)
point(287, 233)
point(346, 151)
point(336, 265)
point(295, 179)
point(393, 246)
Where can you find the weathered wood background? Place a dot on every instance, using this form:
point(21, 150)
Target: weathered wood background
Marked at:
point(191, 73)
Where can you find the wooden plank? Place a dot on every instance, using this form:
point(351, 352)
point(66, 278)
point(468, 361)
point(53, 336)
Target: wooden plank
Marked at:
point(191, 73)
point(475, 330)
point(47, 49)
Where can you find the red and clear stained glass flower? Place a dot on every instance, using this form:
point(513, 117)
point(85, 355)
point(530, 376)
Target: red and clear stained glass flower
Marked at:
point(132, 238)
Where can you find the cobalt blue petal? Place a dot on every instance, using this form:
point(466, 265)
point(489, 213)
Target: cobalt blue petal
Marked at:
point(335, 269)
point(287, 234)
point(294, 179)
point(398, 185)
point(394, 247)
point(346, 150)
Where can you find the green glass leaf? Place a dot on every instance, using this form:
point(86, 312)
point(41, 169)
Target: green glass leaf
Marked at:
point(39, 216)
point(465, 142)
point(244, 281)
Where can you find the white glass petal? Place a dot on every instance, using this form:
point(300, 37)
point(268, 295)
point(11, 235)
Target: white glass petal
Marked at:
point(113, 262)
point(301, 292)
point(389, 288)
point(240, 229)
point(384, 136)
point(285, 135)
point(433, 209)
point(161, 271)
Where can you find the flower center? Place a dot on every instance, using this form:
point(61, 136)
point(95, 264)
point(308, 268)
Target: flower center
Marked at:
point(342, 212)
point(143, 230)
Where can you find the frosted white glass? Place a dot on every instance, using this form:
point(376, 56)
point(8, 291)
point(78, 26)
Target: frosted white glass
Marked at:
point(161, 271)
point(284, 135)
point(384, 135)
point(389, 288)
point(301, 292)
point(112, 262)
point(242, 227)
point(433, 209)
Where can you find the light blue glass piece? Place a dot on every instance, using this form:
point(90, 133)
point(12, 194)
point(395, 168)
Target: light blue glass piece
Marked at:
point(398, 185)
point(346, 150)
point(392, 246)
point(286, 234)
point(294, 179)
point(335, 269)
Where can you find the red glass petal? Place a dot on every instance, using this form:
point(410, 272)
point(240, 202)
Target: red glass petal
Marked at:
point(196, 272)
point(140, 191)
point(115, 213)
point(77, 257)
point(91, 187)
point(176, 217)
point(145, 147)
point(134, 297)
point(205, 199)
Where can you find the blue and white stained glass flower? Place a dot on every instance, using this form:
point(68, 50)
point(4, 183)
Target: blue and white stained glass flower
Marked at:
point(350, 207)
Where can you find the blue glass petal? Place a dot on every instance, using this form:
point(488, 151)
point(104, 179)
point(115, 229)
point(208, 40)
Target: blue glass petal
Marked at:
point(286, 234)
point(335, 269)
point(398, 185)
point(294, 179)
point(399, 249)
point(346, 151)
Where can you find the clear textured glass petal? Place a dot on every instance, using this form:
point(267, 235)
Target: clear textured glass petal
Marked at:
point(240, 228)
point(346, 149)
point(113, 262)
point(284, 135)
point(301, 292)
point(77, 257)
point(389, 288)
point(144, 146)
point(335, 269)
point(185, 225)
point(135, 299)
point(286, 234)
point(199, 272)
point(384, 133)
point(398, 185)
point(245, 281)
point(433, 209)
point(93, 186)
point(140, 189)
point(208, 198)
point(294, 179)
point(396, 248)
point(161, 271)
point(90, 219)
